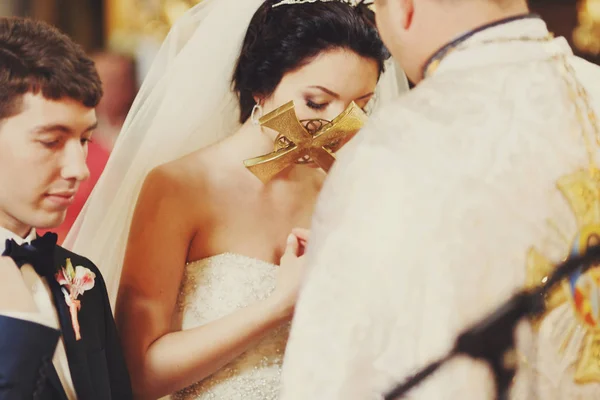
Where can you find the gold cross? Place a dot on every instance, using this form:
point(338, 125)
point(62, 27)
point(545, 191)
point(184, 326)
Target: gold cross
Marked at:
point(295, 144)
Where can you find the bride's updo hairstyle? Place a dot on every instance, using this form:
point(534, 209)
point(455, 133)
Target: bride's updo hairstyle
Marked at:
point(281, 39)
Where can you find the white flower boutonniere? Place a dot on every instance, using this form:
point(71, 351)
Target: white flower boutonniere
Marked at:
point(74, 282)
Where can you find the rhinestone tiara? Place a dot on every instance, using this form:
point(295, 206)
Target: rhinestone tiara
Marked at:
point(352, 3)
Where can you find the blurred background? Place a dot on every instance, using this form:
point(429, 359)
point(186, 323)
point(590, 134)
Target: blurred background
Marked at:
point(124, 35)
point(136, 27)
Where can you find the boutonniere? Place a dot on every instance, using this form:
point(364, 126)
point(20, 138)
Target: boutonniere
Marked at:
point(74, 282)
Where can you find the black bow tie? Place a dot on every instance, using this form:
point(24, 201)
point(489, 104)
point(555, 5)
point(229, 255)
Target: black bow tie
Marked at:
point(39, 254)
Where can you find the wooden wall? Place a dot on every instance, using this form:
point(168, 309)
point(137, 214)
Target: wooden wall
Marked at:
point(80, 19)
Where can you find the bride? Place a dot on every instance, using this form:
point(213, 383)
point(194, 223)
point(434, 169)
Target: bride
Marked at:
point(202, 306)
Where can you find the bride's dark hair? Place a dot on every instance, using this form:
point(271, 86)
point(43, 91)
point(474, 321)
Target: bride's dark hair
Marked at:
point(284, 38)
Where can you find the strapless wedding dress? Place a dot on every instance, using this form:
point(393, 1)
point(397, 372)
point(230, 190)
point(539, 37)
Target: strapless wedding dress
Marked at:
point(213, 288)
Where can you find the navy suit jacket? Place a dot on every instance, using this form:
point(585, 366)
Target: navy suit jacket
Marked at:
point(96, 361)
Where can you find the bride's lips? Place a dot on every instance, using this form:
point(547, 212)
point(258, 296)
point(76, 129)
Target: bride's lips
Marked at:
point(62, 199)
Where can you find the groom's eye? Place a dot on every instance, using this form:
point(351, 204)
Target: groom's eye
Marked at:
point(50, 143)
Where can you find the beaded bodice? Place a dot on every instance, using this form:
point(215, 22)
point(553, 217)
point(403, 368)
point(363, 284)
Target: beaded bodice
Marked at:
point(213, 288)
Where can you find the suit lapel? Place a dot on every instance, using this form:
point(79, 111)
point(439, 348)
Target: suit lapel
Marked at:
point(76, 354)
point(55, 381)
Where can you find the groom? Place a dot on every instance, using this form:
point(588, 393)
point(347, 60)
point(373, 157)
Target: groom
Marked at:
point(57, 334)
point(450, 200)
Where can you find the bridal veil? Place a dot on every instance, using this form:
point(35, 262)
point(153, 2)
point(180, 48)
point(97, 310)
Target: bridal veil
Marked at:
point(185, 103)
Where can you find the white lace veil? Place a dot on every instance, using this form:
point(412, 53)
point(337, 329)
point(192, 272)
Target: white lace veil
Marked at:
point(184, 104)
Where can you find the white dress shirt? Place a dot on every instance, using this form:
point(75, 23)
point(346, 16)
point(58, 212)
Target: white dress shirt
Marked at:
point(47, 314)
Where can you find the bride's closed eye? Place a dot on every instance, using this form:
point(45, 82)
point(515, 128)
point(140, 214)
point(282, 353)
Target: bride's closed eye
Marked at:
point(316, 106)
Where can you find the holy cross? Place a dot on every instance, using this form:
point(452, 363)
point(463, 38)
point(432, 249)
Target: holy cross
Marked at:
point(298, 143)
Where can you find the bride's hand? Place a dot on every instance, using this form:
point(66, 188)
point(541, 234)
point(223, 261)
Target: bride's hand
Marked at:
point(303, 235)
point(290, 274)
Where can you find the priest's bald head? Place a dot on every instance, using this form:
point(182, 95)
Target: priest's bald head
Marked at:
point(414, 30)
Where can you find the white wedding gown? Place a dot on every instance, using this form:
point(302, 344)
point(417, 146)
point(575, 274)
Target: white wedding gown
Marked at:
point(213, 288)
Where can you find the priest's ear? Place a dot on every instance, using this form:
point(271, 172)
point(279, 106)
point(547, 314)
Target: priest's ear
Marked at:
point(407, 11)
point(399, 11)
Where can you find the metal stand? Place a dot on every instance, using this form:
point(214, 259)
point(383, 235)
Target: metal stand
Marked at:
point(492, 340)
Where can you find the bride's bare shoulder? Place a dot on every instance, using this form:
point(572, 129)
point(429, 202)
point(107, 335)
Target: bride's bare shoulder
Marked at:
point(199, 172)
point(173, 189)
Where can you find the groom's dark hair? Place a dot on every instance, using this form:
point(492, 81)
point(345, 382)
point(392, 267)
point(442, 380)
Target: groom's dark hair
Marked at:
point(284, 38)
point(37, 58)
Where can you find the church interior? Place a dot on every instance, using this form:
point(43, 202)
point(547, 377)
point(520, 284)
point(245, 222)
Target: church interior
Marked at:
point(123, 37)
point(125, 25)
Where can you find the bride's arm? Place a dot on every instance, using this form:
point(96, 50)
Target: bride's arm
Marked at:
point(162, 361)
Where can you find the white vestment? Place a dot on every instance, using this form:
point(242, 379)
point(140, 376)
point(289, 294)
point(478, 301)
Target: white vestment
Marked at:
point(426, 220)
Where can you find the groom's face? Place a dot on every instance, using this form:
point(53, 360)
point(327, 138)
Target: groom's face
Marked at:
point(42, 161)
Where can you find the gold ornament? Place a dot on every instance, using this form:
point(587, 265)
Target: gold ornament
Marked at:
point(582, 192)
point(299, 143)
point(586, 35)
point(128, 20)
